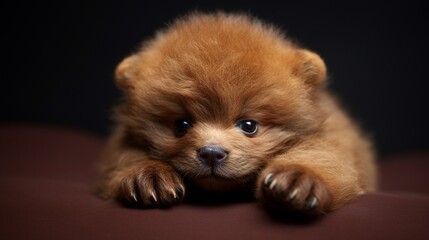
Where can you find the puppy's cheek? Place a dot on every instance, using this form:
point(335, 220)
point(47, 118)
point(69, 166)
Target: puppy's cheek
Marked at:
point(186, 167)
point(186, 163)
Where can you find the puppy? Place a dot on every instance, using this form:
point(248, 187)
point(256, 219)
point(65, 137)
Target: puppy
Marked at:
point(225, 101)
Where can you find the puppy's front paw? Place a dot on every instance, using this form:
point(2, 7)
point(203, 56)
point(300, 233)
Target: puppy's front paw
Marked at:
point(152, 184)
point(293, 188)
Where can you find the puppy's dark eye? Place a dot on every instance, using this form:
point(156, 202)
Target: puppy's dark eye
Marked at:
point(249, 127)
point(182, 126)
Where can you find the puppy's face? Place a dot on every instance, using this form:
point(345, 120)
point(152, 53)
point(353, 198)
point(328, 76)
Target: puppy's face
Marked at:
point(219, 106)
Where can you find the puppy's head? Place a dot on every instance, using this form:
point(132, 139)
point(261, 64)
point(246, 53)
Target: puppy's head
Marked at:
point(218, 96)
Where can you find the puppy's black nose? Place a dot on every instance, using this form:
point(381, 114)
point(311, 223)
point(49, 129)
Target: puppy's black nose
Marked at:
point(212, 156)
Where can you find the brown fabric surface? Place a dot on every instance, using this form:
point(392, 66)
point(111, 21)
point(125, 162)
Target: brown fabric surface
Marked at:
point(47, 177)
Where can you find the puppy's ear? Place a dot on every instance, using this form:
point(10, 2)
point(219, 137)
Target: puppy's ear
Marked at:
point(312, 68)
point(125, 72)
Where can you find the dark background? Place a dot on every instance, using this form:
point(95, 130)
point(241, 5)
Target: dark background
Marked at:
point(58, 58)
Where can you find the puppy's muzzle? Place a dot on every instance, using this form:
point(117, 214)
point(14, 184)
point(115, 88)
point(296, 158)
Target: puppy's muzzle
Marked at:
point(212, 156)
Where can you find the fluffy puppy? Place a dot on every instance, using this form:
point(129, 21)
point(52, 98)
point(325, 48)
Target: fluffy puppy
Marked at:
point(224, 102)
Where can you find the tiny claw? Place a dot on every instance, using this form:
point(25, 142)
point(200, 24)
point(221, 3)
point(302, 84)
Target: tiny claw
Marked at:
point(133, 195)
point(312, 203)
point(268, 179)
point(293, 194)
point(272, 184)
point(180, 191)
point(174, 193)
point(153, 197)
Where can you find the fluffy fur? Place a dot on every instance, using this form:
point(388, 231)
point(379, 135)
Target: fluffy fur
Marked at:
point(214, 70)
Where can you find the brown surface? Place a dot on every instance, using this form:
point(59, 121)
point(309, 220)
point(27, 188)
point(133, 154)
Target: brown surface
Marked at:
point(46, 192)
